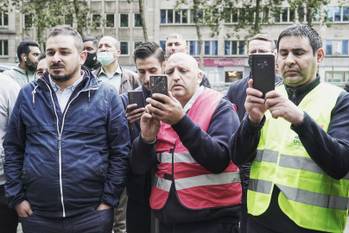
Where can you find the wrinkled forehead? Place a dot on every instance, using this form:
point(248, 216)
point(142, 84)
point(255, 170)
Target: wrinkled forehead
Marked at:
point(294, 42)
point(112, 42)
point(173, 40)
point(61, 42)
point(182, 60)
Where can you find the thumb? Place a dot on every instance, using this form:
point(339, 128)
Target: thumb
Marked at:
point(250, 83)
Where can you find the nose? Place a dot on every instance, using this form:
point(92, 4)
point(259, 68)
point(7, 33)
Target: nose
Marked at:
point(290, 59)
point(56, 58)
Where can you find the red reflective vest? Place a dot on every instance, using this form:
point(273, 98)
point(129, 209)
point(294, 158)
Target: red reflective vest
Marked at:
point(196, 187)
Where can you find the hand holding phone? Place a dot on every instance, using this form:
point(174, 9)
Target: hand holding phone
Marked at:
point(136, 97)
point(263, 72)
point(135, 107)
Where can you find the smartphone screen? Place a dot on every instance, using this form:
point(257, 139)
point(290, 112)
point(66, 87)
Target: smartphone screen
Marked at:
point(263, 72)
point(136, 97)
point(158, 84)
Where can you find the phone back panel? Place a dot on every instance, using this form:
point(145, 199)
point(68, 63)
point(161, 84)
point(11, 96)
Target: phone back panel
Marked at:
point(263, 72)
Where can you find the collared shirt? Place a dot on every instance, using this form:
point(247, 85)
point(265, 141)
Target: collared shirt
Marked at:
point(64, 95)
point(114, 80)
point(193, 98)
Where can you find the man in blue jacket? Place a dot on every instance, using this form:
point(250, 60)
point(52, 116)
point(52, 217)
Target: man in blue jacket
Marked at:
point(67, 146)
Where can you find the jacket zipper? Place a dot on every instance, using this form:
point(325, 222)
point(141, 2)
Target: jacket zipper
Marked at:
point(59, 132)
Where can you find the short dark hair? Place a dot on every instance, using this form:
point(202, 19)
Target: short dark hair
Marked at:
point(305, 31)
point(90, 38)
point(67, 31)
point(23, 47)
point(147, 49)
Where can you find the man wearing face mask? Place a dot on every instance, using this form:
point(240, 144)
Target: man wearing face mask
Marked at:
point(111, 72)
point(27, 53)
point(90, 46)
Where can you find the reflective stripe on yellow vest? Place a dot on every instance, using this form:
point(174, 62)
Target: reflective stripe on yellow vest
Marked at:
point(308, 196)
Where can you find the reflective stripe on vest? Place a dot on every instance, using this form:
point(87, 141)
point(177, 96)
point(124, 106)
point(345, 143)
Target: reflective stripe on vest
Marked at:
point(196, 181)
point(184, 157)
point(290, 161)
point(302, 196)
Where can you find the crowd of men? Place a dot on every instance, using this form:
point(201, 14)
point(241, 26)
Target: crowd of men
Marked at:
point(77, 157)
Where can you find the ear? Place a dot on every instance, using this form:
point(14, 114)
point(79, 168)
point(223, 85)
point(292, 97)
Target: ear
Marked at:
point(23, 57)
point(200, 76)
point(83, 56)
point(320, 54)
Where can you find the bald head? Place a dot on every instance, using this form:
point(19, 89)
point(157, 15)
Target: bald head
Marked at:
point(183, 58)
point(184, 76)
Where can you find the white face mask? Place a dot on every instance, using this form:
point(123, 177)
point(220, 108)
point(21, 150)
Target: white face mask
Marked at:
point(105, 58)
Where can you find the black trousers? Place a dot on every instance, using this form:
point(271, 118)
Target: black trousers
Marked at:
point(94, 221)
point(138, 217)
point(8, 216)
point(214, 226)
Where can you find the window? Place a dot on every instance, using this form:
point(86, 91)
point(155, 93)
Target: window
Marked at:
point(110, 20)
point(3, 19)
point(196, 18)
point(337, 47)
point(124, 20)
point(284, 15)
point(68, 20)
point(337, 13)
point(234, 47)
point(265, 15)
point(3, 47)
point(169, 16)
point(339, 78)
point(138, 21)
point(124, 48)
point(345, 49)
point(28, 21)
point(163, 44)
point(194, 47)
point(301, 14)
point(96, 20)
point(345, 13)
point(163, 16)
point(174, 16)
point(211, 48)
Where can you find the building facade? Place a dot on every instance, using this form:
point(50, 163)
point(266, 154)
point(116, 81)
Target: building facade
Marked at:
point(225, 58)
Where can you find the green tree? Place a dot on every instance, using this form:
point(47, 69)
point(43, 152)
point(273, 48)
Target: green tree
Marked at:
point(48, 13)
point(143, 22)
point(312, 8)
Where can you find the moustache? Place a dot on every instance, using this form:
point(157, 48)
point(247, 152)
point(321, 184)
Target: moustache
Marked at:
point(55, 66)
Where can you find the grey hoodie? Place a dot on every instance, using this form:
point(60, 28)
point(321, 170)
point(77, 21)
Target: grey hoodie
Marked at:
point(8, 94)
point(20, 75)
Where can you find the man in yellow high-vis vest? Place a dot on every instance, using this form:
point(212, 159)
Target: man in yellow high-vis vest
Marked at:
point(297, 139)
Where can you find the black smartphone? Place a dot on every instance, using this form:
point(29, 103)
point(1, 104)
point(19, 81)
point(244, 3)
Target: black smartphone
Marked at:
point(158, 84)
point(263, 72)
point(136, 97)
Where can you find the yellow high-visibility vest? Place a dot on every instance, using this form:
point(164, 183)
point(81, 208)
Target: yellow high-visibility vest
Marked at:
point(308, 196)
